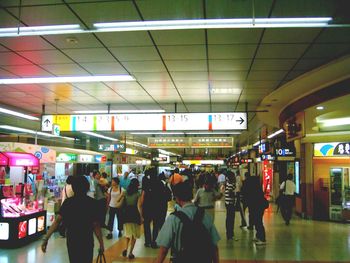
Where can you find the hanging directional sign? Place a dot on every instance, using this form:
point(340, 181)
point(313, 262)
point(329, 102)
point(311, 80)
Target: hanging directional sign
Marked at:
point(148, 122)
point(56, 130)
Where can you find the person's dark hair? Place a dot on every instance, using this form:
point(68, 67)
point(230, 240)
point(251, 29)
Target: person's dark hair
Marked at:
point(183, 191)
point(95, 172)
point(289, 177)
point(104, 175)
point(162, 176)
point(116, 180)
point(230, 176)
point(246, 174)
point(80, 185)
point(69, 179)
point(133, 186)
point(176, 170)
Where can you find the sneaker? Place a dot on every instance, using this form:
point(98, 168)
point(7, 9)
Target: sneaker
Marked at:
point(120, 234)
point(259, 242)
point(250, 227)
point(154, 245)
point(109, 236)
point(255, 239)
point(131, 256)
point(147, 244)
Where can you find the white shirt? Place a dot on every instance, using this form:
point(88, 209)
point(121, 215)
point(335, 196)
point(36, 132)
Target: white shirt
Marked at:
point(290, 187)
point(114, 196)
point(238, 184)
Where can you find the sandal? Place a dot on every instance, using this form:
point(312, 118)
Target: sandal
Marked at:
point(131, 256)
point(124, 253)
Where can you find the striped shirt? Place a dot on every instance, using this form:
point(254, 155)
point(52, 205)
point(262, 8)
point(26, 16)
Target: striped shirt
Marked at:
point(230, 192)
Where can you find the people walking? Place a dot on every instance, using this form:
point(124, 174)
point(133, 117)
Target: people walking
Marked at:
point(100, 196)
point(288, 190)
point(113, 196)
point(229, 190)
point(254, 196)
point(238, 201)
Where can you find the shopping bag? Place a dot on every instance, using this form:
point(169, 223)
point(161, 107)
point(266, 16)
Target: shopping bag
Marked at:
point(101, 257)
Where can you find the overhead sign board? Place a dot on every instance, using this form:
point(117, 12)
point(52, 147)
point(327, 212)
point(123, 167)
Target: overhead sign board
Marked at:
point(285, 152)
point(116, 147)
point(148, 122)
point(190, 142)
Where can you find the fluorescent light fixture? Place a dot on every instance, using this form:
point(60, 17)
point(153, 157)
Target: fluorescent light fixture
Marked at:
point(116, 111)
point(225, 91)
point(40, 30)
point(137, 144)
point(72, 79)
point(166, 152)
point(257, 143)
point(335, 122)
point(12, 128)
point(100, 136)
point(213, 133)
point(18, 114)
point(157, 133)
point(212, 23)
point(319, 108)
point(275, 133)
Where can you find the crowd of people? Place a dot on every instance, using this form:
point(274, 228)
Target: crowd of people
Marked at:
point(135, 203)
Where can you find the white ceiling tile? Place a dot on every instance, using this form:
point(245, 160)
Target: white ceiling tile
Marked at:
point(27, 71)
point(89, 55)
point(123, 85)
point(224, 98)
point(135, 53)
point(231, 51)
point(45, 56)
point(125, 39)
point(140, 99)
point(229, 64)
point(280, 51)
point(197, 107)
point(189, 75)
point(273, 64)
point(104, 68)
point(334, 35)
point(308, 64)
point(253, 84)
point(151, 76)
point(192, 92)
point(31, 88)
point(256, 91)
point(327, 50)
point(203, 98)
point(183, 52)
point(84, 100)
point(65, 69)
point(111, 11)
point(179, 37)
point(74, 42)
point(110, 99)
point(6, 74)
point(290, 35)
point(267, 75)
point(200, 84)
point(227, 84)
point(157, 85)
point(132, 92)
point(145, 66)
point(9, 58)
point(234, 36)
point(162, 93)
point(28, 43)
point(186, 65)
point(228, 75)
point(46, 15)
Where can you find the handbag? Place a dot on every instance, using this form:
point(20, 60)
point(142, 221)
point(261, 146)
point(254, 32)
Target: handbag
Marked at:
point(279, 199)
point(101, 257)
point(120, 202)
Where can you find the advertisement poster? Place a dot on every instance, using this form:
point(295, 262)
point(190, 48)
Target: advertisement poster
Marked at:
point(32, 226)
point(41, 223)
point(44, 154)
point(4, 231)
point(22, 229)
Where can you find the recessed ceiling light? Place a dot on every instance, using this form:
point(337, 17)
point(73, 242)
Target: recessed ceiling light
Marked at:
point(319, 108)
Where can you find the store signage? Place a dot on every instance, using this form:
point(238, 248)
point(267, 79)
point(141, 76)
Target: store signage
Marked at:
point(267, 157)
point(85, 158)
point(190, 142)
point(267, 178)
point(100, 158)
point(246, 160)
point(56, 130)
point(116, 147)
point(147, 122)
point(332, 149)
point(284, 152)
point(161, 159)
point(66, 157)
point(264, 147)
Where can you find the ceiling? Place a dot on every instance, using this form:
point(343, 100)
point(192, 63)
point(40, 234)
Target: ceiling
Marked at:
point(174, 70)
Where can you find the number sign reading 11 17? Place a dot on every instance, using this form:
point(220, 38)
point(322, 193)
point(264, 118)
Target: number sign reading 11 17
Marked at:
point(148, 122)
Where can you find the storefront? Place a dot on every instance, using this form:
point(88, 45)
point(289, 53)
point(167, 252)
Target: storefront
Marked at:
point(331, 173)
point(22, 217)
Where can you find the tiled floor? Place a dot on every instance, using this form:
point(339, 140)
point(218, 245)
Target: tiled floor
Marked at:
point(302, 241)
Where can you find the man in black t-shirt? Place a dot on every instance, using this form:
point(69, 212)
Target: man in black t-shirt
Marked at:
point(80, 215)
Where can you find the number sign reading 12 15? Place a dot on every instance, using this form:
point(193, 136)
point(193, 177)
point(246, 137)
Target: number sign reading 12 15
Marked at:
point(148, 122)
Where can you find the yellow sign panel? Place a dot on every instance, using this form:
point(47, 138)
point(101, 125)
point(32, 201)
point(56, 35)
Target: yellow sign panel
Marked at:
point(63, 121)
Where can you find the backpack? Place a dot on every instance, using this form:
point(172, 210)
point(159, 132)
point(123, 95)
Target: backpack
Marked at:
point(196, 244)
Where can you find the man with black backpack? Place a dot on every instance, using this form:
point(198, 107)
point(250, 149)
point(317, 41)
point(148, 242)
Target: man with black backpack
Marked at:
point(189, 232)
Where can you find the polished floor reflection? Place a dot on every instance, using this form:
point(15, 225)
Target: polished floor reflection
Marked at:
point(302, 241)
